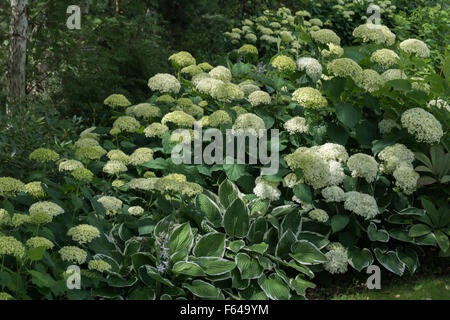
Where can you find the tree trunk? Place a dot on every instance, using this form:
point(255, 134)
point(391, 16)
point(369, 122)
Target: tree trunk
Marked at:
point(17, 52)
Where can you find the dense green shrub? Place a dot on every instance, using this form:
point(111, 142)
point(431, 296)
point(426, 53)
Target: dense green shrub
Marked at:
point(355, 184)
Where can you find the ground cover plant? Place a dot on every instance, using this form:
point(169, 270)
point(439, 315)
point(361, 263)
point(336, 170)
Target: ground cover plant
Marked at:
point(363, 174)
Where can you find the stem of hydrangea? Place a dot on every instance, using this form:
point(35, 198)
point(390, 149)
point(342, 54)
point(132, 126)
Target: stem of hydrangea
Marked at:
point(37, 229)
point(3, 261)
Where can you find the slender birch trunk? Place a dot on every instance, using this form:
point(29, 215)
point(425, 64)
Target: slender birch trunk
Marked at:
point(17, 52)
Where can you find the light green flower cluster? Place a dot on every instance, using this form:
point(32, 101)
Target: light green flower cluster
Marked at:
point(221, 73)
point(89, 134)
point(179, 118)
point(83, 233)
point(248, 49)
point(70, 165)
point(182, 59)
point(89, 153)
point(385, 58)
point(369, 80)
point(258, 98)
point(337, 259)
point(296, 125)
point(325, 36)
point(363, 166)
point(166, 99)
point(309, 98)
point(344, 67)
point(118, 155)
point(386, 125)
point(140, 156)
point(118, 183)
point(127, 124)
point(316, 22)
point(176, 183)
point(251, 37)
point(11, 246)
point(218, 118)
point(164, 83)
point(86, 142)
point(422, 125)
point(6, 296)
point(248, 124)
point(207, 84)
point(44, 155)
point(38, 218)
point(143, 110)
point(99, 265)
point(269, 39)
point(82, 175)
point(318, 215)
point(47, 207)
point(284, 63)
point(114, 167)
point(73, 254)
point(406, 179)
point(35, 189)
point(191, 70)
point(191, 109)
point(117, 100)
point(155, 129)
point(394, 157)
point(303, 13)
point(248, 87)
point(18, 219)
point(416, 47)
point(393, 74)
point(376, 33)
point(438, 103)
point(205, 66)
point(227, 92)
point(361, 204)
point(311, 67)
point(36, 242)
point(333, 194)
point(136, 210)
point(5, 218)
point(111, 204)
point(9, 187)
point(333, 50)
point(290, 180)
point(266, 190)
point(286, 36)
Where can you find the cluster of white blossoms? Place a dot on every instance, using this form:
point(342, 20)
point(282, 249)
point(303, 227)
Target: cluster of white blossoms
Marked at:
point(218, 118)
point(266, 190)
point(325, 36)
point(226, 92)
point(73, 254)
point(111, 204)
point(321, 165)
point(416, 47)
point(164, 83)
point(143, 110)
point(393, 74)
point(369, 80)
point(118, 155)
point(438, 103)
point(179, 118)
point(83, 233)
point(182, 59)
point(386, 125)
point(47, 207)
point(221, 73)
point(385, 58)
point(284, 63)
point(248, 123)
point(70, 165)
point(332, 51)
point(248, 87)
point(311, 67)
point(206, 85)
point(422, 125)
point(361, 204)
point(114, 167)
point(296, 125)
point(318, 215)
point(406, 179)
point(290, 180)
point(136, 210)
point(333, 194)
point(378, 34)
point(337, 258)
point(140, 156)
point(344, 67)
point(363, 166)
point(309, 98)
point(394, 157)
point(259, 97)
point(155, 129)
point(127, 124)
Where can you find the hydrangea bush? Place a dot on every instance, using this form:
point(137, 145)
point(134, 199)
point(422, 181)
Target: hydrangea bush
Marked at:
point(355, 125)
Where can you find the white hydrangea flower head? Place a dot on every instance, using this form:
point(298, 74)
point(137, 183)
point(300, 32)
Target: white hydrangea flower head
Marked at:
point(227, 92)
point(259, 97)
point(369, 80)
point(385, 58)
point(363, 166)
point(378, 34)
point(361, 204)
point(179, 118)
point(248, 123)
point(344, 67)
point(309, 98)
point(422, 125)
point(114, 167)
point(395, 156)
point(337, 260)
point(406, 179)
point(393, 74)
point(164, 83)
point(296, 125)
point(221, 73)
point(438, 103)
point(416, 47)
point(311, 66)
point(386, 125)
point(325, 36)
point(155, 129)
point(333, 194)
point(318, 215)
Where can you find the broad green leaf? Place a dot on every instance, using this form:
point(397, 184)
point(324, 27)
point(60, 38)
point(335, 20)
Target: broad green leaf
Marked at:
point(409, 257)
point(155, 275)
point(390, 261)
point(303, 192)
point(236, 245)
point(431, 210)
point(228, 192)
point(214, 266)
point(202, 289)
point(360, 259)
point(377, 235)
point(419, 230)
point(317, 239)
point(442, 240)
point(210, 245)
point(35, 254)
point(300, 285)
point(181, 240)
point(283, 247)
point(248, 267)
point(210, 209)
point(305, 252)
point(236, 219)
point(339, 222)
point(188, 268)
point(274, 287)
point(348, 114)
point(260, 248)
point(400, 84)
